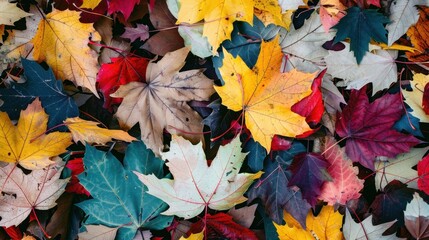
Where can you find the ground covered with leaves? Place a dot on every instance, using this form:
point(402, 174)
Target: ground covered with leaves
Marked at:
point(200, 119)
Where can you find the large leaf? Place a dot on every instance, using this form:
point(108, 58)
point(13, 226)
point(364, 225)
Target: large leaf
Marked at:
point(368, 128)
point(161, 101)
point(326, 225)
point(378, 68)
point(118, 192)
point(264, 94)
point(273, 191)
point(22, 193)
point(360, 25)
point(197, 186)
point(345, 184)
point(27, 143)
point(40, 83)
point(67, 54)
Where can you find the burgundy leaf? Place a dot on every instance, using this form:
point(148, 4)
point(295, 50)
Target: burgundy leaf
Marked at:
point(221, 226)
point(368, 128)
point(141, 31)
point(309, 173)
point(425, 100)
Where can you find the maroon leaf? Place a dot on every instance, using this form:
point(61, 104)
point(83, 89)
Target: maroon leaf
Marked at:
point(125, 7)
point(309, 173)
point(368, 128)
point(425, 100)
point(391, 203)
point(220, 226)
point(120, 71)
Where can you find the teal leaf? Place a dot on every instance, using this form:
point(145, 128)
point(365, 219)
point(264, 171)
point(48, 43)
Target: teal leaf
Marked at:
point(119, 198)
point(360, 26)
point(43, 84)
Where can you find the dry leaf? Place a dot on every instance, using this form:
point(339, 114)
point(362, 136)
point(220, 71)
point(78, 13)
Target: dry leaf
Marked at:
point(88, 131)
point(265, 94)
point(10, 13)
point(62, 41)
point(27, 143)
point(160, 102)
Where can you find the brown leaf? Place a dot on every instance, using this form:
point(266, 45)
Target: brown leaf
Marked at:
point(419, 35)
point(164, 42)
point(60, 221)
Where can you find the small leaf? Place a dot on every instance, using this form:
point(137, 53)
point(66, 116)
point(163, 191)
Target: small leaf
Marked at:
point(416, 217)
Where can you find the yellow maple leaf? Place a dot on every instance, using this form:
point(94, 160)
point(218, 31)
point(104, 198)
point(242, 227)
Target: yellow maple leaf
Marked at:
point(88, 131)
point(414, 98)
point(194, 236)
point(269, 11)
point(27, 143)
point(264, 94)
point(10, 13)
point(62, 41)
point(218, 17)
point(326, 225)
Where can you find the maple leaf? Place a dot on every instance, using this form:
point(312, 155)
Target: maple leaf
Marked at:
point(196, 185)
point(74, 186)
point(40, 84)
point(120, 71)
point(221, 225)
point(399, 168)
point(22, 193)
point(67, 54)
point(418, 36)
point(309, 173)
point(273, 191)
point(126, 8)
point(423, 173)
point(130, 207)
point(391, 203)
point(88, 131)
point(140, 31)
point(368, 128)
point(378, 68)
point(91, 4)
point(415, 98)
point(416, 217)
point(160, 102)
point(403, 14)
point(360, 26)
point(326, 225)
point(27, 144)
point(345, 184)
point(365, 229)
point(264, 94)
point(218, 17)
point(10, 13)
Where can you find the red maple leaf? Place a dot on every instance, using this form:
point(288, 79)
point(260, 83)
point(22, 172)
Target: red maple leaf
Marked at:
point(423, 172)
point(125, 7)
point(76, 166)
point(120, 71)
point(368, 128)
point(425, 100)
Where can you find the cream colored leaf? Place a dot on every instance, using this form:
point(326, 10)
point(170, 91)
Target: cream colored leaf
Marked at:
point(98, 232)
point(10, 13)
point(161, 102)
point(399, 168)
point(196, 185)
point(414, 98)
point(21, 193)
point(379, 69)
point(416, 216)
point(88, 131)
point(62, 41)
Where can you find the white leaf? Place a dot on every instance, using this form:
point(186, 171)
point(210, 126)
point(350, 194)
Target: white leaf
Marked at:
point(416, 217)
point(290, 4)
point(98, 232)
point(403, 14)
point(379, 68)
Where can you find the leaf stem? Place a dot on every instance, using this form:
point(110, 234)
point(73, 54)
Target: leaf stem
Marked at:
point(40, 225)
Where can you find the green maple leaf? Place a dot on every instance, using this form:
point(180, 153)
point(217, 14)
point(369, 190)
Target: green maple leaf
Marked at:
point(118, 197)
point(360, 25)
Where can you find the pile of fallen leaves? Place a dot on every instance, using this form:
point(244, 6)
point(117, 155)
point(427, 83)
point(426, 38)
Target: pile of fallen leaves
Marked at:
point(201, 119)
